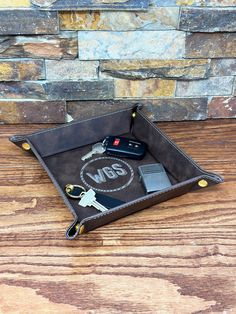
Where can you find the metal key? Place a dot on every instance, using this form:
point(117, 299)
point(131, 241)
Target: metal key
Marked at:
point(89, 199)
point(97, 148)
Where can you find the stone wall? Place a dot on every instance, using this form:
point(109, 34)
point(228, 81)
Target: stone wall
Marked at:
point(64, 59)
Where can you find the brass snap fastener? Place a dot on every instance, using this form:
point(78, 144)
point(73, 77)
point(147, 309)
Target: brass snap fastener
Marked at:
point(81, 230)
point(203, 183)
point(26, 146)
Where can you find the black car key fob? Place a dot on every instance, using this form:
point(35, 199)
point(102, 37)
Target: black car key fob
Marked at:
point(124, 147)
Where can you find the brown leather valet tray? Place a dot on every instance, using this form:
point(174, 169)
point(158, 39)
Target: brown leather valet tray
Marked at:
point(59, 151)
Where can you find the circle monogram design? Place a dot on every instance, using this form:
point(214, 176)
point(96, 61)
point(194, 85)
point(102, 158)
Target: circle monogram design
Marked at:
point(107, 174)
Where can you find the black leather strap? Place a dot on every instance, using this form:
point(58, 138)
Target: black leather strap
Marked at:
point(108, 201)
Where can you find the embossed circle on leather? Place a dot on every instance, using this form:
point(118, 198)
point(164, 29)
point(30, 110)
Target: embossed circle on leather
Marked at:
point(107, 174)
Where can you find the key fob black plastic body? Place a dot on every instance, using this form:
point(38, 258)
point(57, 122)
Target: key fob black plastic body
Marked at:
point(124, 147)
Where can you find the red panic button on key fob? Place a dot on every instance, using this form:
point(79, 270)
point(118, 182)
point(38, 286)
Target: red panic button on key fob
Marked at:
point(124, 147)
point(116, 142)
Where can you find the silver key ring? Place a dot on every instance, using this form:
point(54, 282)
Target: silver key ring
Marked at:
point(82, 194)
point(69, 188)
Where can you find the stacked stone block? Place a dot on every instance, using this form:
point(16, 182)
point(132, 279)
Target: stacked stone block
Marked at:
point(61, 60)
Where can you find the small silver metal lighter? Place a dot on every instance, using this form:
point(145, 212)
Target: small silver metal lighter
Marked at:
point(153, 177)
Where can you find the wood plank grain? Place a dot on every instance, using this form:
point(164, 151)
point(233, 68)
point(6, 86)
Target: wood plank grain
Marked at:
point(176, 257)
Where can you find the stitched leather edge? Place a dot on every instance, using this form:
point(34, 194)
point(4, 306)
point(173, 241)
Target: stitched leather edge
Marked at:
point(145, 198)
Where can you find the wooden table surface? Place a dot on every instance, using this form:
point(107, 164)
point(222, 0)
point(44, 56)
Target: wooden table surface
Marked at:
point(176, 257)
